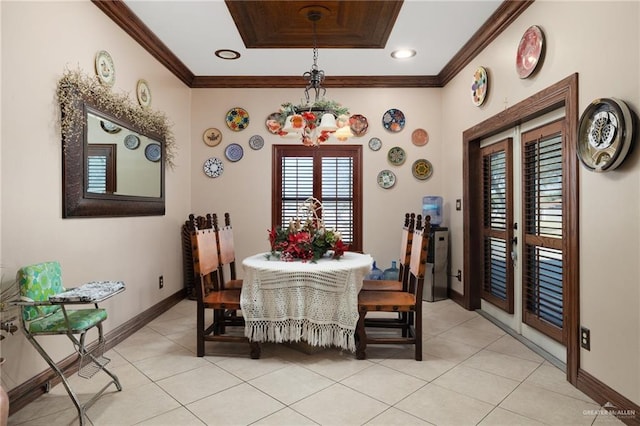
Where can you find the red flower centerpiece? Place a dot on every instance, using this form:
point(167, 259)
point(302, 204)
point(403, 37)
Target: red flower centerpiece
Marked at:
point(306, 238)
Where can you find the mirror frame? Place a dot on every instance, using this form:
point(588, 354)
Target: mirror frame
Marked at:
point(77, 202)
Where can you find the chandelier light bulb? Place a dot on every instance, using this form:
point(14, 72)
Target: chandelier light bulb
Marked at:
point(316, 120)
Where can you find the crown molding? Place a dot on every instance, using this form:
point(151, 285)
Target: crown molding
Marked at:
point(118, 11)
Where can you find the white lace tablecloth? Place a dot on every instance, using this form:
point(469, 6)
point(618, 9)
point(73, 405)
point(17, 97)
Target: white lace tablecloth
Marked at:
point(294, 301)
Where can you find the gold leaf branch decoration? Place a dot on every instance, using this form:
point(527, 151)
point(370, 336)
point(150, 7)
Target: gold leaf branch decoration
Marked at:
point(75, 86)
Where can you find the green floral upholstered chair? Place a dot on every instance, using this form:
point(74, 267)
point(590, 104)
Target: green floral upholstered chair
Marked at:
point(44, 300)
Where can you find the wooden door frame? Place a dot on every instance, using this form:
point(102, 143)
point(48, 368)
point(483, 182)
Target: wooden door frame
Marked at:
point(563, 94)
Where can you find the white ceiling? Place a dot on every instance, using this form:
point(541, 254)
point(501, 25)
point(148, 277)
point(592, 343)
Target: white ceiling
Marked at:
point(194, 30)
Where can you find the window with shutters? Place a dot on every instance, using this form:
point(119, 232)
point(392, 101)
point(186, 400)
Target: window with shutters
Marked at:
point(497, 218)
point(543, 265)
point(101, 169)
point(330, 173)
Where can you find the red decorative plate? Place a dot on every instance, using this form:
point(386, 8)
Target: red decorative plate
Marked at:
point(529, 51)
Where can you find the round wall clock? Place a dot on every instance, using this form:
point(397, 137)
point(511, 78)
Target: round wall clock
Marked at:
point(605, 134)
point(213, 167)
point(105, 69)
point(143, 93)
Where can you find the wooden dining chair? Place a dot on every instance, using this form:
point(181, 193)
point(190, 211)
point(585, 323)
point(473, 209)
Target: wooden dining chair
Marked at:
point(227, 252)
point(204, 243)
point(408, 301)
point(397, 319)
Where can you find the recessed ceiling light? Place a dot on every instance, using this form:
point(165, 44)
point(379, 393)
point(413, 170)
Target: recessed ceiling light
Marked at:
point(403, 53)
point(227, 54)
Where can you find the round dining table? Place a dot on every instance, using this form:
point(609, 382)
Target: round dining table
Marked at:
point(311, 301)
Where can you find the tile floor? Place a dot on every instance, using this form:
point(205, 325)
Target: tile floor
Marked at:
point(472, 373)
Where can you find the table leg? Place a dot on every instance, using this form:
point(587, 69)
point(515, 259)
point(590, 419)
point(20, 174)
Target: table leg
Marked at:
point(361, 336)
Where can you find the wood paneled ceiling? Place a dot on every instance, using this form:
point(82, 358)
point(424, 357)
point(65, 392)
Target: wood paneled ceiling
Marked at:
point(341, 24)
point(269, 24)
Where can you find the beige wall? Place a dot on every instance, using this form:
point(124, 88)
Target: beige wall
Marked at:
point(40, 40)
point(244, 189)
point(137, 250)
point(608, 65)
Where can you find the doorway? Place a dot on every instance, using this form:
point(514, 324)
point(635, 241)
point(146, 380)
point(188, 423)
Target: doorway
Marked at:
point(522, 214)
point(534, 258)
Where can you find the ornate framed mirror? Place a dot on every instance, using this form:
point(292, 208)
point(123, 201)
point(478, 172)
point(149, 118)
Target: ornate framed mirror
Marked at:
point(111, 166)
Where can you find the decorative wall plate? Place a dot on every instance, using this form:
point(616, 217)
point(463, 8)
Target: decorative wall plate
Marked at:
point(386, 179)
point(213, 167)
point(233, 152)
point(479, 86)
point(143, 93)
point(272, 123)
point(396, 156)
point(393, 120)
point(105, 68)
point(131, 141)
point(419, 137)
point(375, 144)
point(109, 127)
point(605, 134)
point(237, 119)
point(422, 169)
point(359, 124)
point(530, 51)
point(212, 136)
point(153, 152)
point(256, 142)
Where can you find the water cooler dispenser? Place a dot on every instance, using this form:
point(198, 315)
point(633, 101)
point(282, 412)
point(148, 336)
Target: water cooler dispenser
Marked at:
point(436, 279)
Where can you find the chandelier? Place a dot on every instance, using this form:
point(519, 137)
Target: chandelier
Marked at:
point(313, 121)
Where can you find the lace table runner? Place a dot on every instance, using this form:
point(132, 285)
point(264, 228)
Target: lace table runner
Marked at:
point(294, 301)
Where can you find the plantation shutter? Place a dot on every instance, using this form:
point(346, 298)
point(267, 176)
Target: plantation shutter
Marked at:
point(337, 195)
point(543, 265)
point(101, 177)
point(331, 174)
point(497, 287)
point(297, 185)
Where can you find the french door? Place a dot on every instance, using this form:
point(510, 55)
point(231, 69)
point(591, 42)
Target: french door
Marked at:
point(522, 234)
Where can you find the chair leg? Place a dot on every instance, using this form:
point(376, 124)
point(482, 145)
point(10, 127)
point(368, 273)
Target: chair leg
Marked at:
point(200, 330)
point(254, 350)
point(81, 408)
point(361, 336)
point(418, 331)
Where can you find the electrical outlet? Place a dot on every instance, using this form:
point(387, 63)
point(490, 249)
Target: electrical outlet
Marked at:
point(458, 204)
point(160, 281)
point(585, 338)
point(459, 276)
